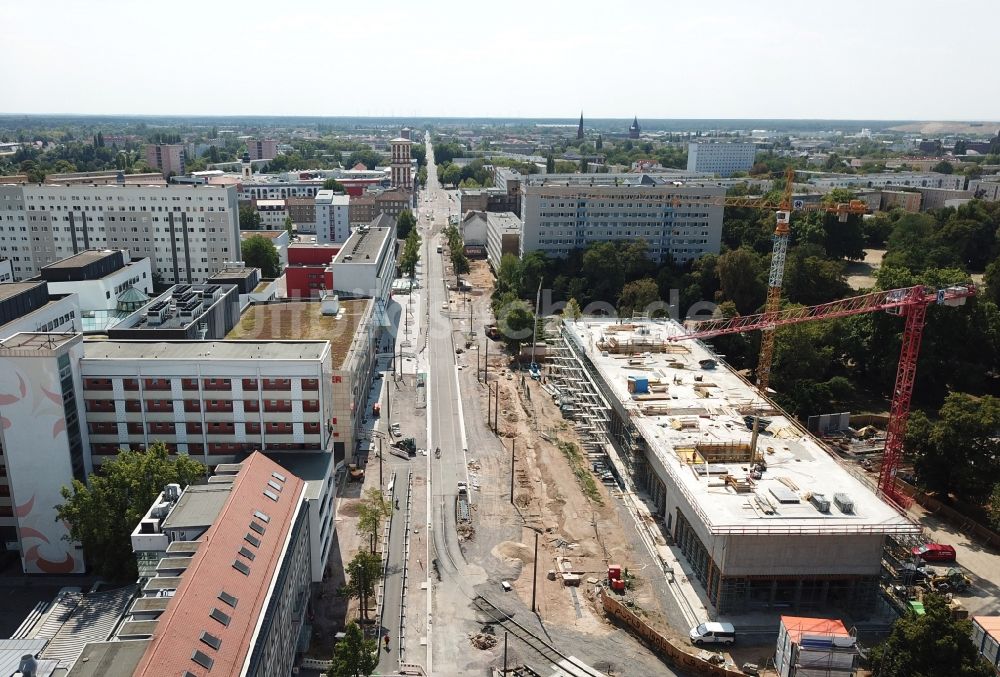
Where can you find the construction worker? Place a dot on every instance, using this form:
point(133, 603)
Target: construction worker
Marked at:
point(397, 504)
point(386, 638)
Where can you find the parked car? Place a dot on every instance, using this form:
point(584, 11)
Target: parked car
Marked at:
point(935, 552)
point(713, 633)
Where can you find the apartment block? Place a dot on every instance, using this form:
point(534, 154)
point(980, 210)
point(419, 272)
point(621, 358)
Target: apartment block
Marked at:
point(563, 212)
point(332, 217)
point(908, 201)
point(885, 180)
point(262, 149)
point(503, 236)
point(720, 158)
point(302, 211)
point(187, 232)
point(168, 158)
point(210, 399)
point(366, 265)
point(236, 591)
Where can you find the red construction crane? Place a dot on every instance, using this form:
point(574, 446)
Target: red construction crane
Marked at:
point(911, 302)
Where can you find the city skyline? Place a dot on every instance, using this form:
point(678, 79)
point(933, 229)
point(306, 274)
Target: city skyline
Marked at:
point(667, 66)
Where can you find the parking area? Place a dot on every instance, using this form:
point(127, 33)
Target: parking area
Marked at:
point(980, 563)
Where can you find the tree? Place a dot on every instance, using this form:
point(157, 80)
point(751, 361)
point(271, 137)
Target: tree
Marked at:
point(422, 176)
point(372, 510)
point(811, 279)
point(102, 514)
point(459, 262)
point(363, 574)
point(741, 277)
point(249, 218)
point(354, 655)
point(572, 310)
point(411, 254)
point(993, 507)
point(958, 453)
point(404, 222)
point(450, 174)
point(637, 297)
point(943, 167)
point(515, 321)
point(992, 280)
point(259, 252)
point(334, 185)
point(929, 645)
point(550, 164)
point(289, 227)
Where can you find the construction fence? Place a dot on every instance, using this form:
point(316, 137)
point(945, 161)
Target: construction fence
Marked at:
point(674, 655)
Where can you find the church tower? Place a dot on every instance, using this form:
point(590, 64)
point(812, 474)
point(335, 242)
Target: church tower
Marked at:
point(633, 130)
point(579, 130)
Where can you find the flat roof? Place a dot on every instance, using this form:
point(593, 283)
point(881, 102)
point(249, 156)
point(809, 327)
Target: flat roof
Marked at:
point(84, 258)
point(109, 659)
point(692, 419)
point(312, 468)
point(234, 272)
point(12, 289)
point(270, 234)
point(364, 245)
point(177, 634)
point(303, 319)
point(199, 350)
point(198, 506)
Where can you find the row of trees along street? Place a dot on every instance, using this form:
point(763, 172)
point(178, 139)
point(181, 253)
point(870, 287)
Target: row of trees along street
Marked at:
point(844, 364)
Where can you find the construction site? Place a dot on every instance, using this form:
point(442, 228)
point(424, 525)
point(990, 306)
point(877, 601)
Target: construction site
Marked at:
point(776, 523)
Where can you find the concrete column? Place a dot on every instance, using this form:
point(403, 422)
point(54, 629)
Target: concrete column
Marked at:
point(797, 599)
point(773, 594)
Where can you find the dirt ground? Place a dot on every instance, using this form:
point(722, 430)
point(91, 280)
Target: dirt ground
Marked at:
point(584, 535)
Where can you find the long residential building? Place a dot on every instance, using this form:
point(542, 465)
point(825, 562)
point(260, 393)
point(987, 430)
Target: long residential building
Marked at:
point(677, 219)
point(722, 158)
point(884, 180)
point(782, 526)
point(187, 232)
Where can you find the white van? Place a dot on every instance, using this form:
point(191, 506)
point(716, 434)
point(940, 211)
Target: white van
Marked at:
point(713, 633)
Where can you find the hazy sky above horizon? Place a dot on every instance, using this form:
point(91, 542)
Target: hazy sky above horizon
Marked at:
point(881, 59)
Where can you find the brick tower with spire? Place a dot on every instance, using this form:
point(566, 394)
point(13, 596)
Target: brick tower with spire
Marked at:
point(579, 130)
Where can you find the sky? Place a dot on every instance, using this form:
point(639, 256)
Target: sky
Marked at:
point(848, 59)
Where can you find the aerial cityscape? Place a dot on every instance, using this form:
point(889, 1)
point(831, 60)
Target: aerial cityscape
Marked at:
point(636, 366)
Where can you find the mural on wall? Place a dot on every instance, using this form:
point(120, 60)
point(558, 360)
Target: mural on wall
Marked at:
point(37, 453)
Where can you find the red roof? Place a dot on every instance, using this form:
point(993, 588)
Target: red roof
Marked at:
point(179, 630)
point(798, 626)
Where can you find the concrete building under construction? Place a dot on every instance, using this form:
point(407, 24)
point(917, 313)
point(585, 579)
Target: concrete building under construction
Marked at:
point(784, 525)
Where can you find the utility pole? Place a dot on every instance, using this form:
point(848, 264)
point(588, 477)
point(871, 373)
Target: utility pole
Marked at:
point(534, 574)
point(512, 471)
point(496, 411)
point(486, 363)
point(489, 403)
point(380, 464)
point(505, 653)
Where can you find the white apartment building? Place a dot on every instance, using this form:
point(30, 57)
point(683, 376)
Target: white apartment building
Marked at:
point(986, 188)
point(187, 232)
point(563, 212)
point(503, 236)
point(720, 158)
point(366, 265)
point(885, 179)
point(6, 271)
point(332, 211)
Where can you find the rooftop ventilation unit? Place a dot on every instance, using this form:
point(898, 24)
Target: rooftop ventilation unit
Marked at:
point(844, 503)
point(820, 502)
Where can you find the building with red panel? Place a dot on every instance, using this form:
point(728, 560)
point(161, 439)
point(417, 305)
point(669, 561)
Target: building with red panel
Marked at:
point(308, 272)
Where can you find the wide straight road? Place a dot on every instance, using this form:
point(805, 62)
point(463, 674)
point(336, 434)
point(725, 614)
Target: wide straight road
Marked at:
point(445, 411)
